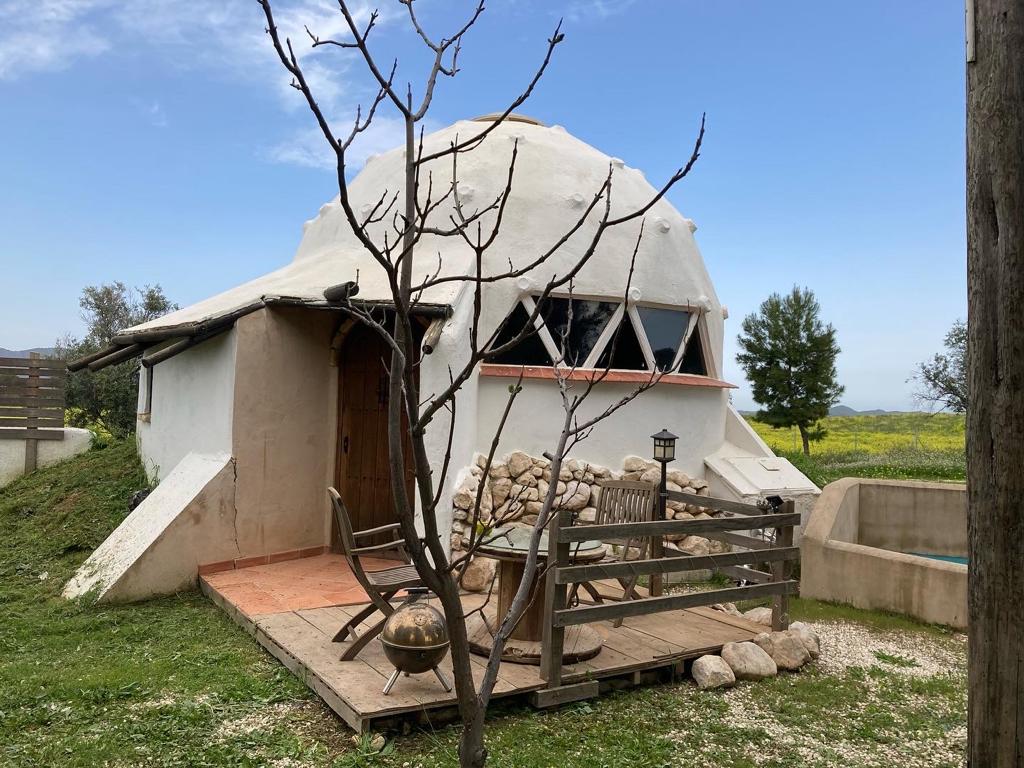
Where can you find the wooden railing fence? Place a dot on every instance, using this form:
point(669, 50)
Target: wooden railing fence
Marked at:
point(776, 583)
point(31, 402)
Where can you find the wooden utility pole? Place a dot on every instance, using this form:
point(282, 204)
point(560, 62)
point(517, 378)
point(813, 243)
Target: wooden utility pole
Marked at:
point(995, 351)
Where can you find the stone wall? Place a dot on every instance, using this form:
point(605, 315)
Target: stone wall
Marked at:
point(516, 485)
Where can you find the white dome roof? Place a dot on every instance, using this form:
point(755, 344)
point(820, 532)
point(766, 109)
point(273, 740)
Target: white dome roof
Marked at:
point(556, 177)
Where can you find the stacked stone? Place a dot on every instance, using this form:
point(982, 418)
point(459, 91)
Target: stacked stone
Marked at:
point(516, 486)
point(637, 468)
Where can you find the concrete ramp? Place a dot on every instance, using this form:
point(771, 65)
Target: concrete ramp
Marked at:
point(187, 520)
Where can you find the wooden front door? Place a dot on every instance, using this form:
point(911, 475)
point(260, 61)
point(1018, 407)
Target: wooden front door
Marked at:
point(363, 473)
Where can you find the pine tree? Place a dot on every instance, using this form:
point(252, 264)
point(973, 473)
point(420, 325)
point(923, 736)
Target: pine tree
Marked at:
point(789, 356)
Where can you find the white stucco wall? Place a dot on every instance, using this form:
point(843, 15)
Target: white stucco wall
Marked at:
point(48, 452)
point(193, 396)
point(694, 413)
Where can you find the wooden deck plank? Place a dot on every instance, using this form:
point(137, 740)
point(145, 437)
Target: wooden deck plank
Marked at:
point(301, 640)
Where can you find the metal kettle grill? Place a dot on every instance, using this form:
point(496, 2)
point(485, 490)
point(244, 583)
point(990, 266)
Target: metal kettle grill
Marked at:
point(415, 639)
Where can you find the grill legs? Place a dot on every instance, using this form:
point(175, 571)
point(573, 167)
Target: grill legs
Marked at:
point(440, 677)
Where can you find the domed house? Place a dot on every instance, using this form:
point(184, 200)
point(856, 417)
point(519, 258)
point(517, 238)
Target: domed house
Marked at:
point(253, 401)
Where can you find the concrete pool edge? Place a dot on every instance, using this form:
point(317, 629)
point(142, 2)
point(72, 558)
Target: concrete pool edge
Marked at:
point(838, 566)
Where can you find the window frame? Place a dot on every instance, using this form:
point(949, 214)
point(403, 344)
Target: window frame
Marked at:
point(630, 307)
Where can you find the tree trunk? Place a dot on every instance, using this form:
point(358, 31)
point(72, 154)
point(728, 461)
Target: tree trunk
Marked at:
point(995, 416)
point(806, 440)
point(472, 753)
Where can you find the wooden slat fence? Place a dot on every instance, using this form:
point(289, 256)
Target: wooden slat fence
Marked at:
point(31, 402)
point(777, 555)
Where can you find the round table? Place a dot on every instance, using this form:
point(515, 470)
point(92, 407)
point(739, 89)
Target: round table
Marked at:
point(510, 547)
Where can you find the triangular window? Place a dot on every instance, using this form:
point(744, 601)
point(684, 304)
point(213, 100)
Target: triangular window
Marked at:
point(623, 349)
point(665, 331)
point(529, 351)
point(693, 357)
point(581, 330)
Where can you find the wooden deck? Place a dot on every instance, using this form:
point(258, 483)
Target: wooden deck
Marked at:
point(645, 648)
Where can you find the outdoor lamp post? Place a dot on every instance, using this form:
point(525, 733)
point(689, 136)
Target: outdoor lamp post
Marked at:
point(664, 452)
point(664, 447)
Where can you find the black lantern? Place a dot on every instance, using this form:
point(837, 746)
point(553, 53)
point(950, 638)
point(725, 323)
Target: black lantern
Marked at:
point(664, 446)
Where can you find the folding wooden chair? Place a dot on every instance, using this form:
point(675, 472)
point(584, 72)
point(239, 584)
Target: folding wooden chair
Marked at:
point(380, 586)
point(623, 501)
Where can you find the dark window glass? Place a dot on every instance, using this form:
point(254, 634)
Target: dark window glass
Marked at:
point(581, 330)
point(529, 351)
point(665, 329)
point(693, 357)
point(628, 355)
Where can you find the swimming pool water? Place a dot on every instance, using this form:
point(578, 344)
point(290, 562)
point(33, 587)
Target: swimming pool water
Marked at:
point(946, 558)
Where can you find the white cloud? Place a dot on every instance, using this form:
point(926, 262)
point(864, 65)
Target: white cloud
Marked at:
point(156, 115)
point(588, 10)
point(309, 148)
point(225, 38)
point(47, 35)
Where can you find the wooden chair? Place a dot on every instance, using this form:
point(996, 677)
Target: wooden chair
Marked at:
point(623, 501)
point(380, 586)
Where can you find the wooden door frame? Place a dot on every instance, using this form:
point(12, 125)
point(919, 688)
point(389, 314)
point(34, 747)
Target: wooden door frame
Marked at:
point(338, 342)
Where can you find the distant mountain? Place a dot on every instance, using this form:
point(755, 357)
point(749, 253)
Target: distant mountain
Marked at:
point(44, 351)
point(845, 410)
point(840, 410)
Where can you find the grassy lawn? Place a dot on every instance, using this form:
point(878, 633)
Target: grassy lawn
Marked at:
point(904, 446)
point(173, 682)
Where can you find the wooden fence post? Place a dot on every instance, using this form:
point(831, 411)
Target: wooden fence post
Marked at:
point(32, 419)
point(781, 570)
point(554, 600)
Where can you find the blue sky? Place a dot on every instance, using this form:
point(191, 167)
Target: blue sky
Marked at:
point(150, 142)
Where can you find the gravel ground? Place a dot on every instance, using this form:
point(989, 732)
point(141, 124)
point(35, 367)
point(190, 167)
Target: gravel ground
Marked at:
point(908, 707)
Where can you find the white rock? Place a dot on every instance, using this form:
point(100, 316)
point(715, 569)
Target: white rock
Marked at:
point(576, 495)
point(759, 616)
point(479, 574)
point(528, 480)
point(500, 489)
point(712, 672)
point(518, 463)
point(729, 608)
point(718, 547)
point(499, 469)
point(652, 475)
point(634, 464)
point(748, 661)
point(464, 498)
point(695, 545)
point(808, 637)
point(588, 515)
point(679, 477)
point(699, 484)
point(787, 650)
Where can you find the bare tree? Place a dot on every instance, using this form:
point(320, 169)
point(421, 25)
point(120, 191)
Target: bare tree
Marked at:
point(995, 354)
point(942, 381)
point(413, 212)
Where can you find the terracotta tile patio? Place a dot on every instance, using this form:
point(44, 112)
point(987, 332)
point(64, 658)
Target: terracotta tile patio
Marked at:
point(308, 582)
